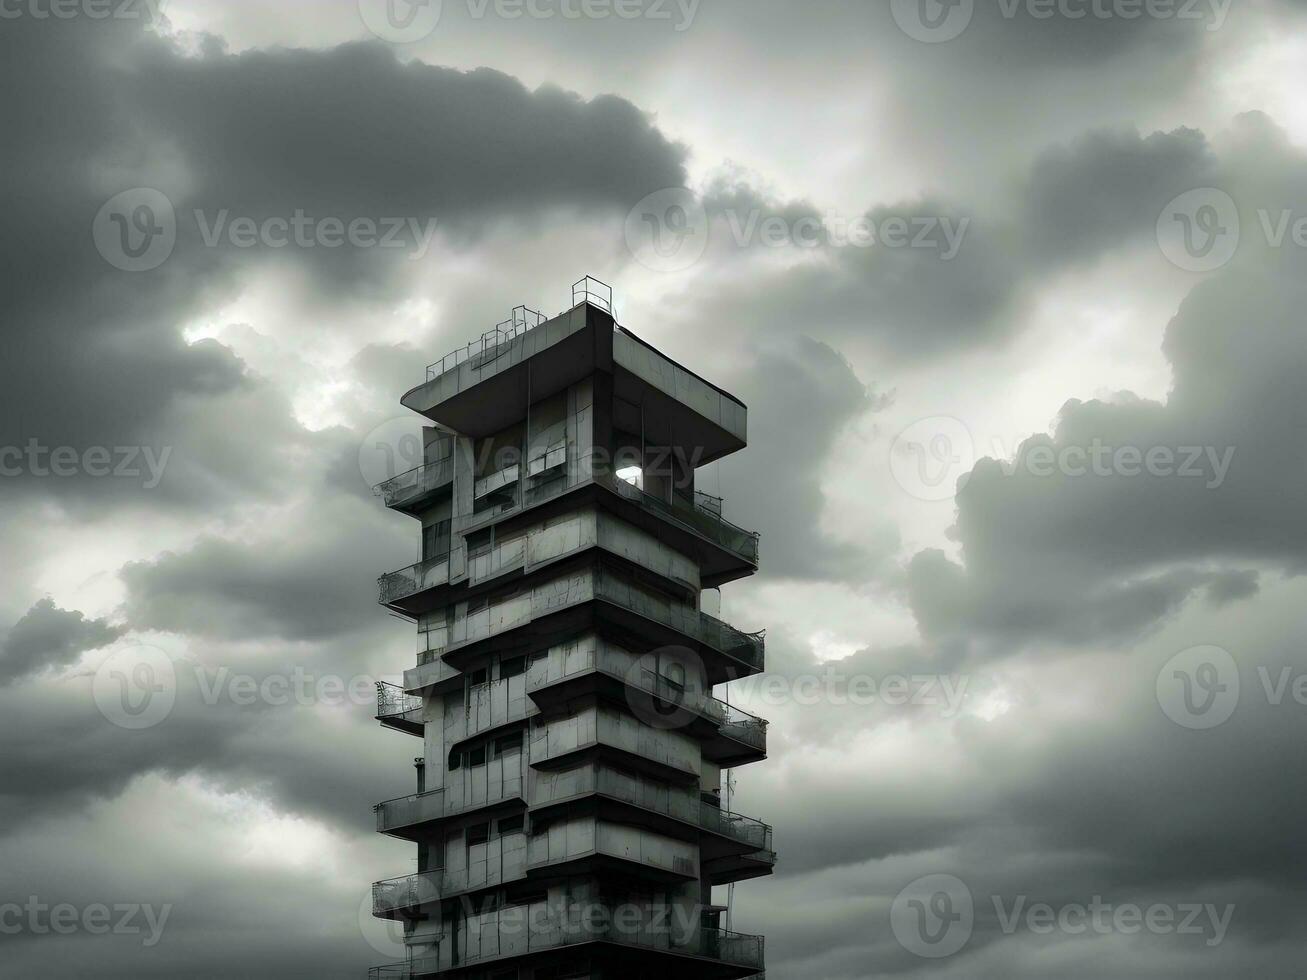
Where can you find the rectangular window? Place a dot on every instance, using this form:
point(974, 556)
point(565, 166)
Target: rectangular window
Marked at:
point(477, 756)
point(512, 667)
point(511, 825)
point(508, 743)
point(478, 834)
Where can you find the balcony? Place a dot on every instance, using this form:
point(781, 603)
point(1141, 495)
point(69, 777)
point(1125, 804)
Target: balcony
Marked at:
point(406, 812)
point(524, 930)
point(431, 672)
point(399, 590)
point(407, 897)
point(729, 868)
point(739, 738)
point(729, 736)
point(753, 834)
point(397, 710)
point(704, 517)
point(747, 649)
point(409, 492)
point(404, 815)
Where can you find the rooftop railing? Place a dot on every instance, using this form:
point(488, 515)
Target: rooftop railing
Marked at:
point(491, 343)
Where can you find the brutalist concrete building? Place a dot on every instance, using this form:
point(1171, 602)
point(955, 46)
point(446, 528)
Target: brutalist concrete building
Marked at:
point(569, 702)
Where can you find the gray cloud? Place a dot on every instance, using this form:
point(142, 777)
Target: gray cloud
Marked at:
point(48, 637)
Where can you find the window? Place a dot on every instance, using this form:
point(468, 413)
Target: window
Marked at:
point(478, 834)
point(476, 757)
point(435, 540)
point(478, 676)
point(512, 667)
point(508, 743)
point(511, 825)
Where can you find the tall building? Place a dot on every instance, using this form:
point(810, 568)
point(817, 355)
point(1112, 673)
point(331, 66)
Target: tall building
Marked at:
point(571, 812)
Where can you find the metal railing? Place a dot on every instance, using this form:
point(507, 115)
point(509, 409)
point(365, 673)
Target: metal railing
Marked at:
point(737, 724)
point(529, 931)
point(407, 892)
point(392, 700)
point(415, 578)
point(704, 516)
point(491, 344)
point(746, 647)
point(594, 291)
point(406, 811)
point(736, 826)
point(414, 483)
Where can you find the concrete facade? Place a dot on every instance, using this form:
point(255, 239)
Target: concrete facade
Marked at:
point(569, 686)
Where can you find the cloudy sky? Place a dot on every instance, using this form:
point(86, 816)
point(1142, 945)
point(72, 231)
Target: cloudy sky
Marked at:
point(1014, 291)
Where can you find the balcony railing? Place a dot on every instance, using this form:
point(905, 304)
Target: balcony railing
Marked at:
point(737, 724)
point(408, 892)
point(521, 930)
point(408, 811)
point(392, 701)
point(703, 516)
point(415, 483)
point(409, 581)
point(744, 829)
point(747, 647)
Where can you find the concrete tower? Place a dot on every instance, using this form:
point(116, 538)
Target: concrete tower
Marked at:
point(572, 807)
